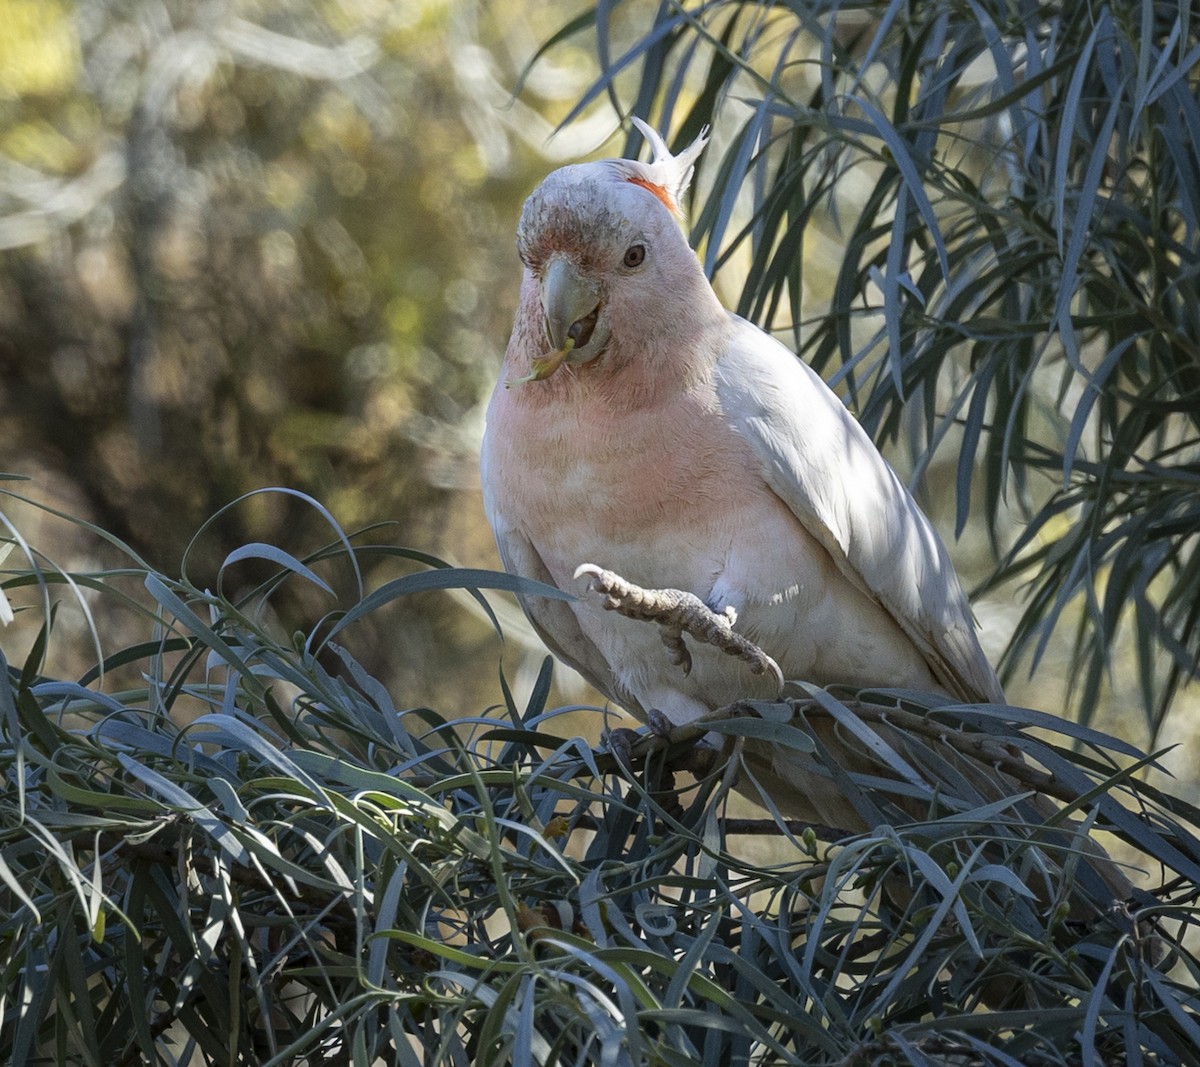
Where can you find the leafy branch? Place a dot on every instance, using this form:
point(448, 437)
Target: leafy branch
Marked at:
point(238, 848)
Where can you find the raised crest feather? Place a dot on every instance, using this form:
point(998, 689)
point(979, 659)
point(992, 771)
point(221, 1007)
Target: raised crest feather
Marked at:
point(666, 176)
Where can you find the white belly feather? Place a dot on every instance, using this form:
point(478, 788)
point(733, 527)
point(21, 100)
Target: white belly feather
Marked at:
point(731, 544)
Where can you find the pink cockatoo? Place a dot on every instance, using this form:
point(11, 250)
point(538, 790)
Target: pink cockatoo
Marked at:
point(641, 427)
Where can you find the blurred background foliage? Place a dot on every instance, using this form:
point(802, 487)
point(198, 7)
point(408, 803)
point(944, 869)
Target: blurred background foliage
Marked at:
point(245, 244)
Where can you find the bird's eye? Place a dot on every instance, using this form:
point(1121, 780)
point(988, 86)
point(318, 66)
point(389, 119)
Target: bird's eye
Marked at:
point(635, 255)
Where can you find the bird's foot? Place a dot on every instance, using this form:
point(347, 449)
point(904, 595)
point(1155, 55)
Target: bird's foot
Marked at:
point(683, 748)
point(696, 754)
point(626, 744)
point(678, 612)
point(620, 743)
point(658, 724)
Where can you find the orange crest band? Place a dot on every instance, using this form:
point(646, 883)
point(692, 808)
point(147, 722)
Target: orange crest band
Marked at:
point(659, 191)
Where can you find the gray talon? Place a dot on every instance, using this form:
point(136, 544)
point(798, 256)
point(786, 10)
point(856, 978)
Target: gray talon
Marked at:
point(678, 612)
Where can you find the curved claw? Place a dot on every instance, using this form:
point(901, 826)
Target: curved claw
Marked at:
point(678, 612)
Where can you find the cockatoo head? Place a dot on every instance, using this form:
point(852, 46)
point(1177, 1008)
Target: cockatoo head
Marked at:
point(601, 240)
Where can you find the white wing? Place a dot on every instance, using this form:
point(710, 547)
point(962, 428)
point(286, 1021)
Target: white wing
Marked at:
point(820, 462)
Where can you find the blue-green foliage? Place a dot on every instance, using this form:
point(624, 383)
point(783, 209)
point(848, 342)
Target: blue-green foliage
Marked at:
point(248, 851)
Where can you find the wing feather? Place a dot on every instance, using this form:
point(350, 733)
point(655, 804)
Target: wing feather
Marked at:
point(820, 462)
point(555, 621)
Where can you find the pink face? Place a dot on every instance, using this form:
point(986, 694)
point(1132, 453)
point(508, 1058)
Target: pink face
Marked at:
point(590, 234)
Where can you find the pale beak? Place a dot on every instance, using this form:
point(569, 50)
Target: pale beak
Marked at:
point(571, 304)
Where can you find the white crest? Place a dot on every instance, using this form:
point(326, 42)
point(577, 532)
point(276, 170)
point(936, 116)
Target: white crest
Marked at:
point(668, 175)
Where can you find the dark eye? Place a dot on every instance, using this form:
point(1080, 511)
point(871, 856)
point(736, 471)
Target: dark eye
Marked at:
point(635, 255)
